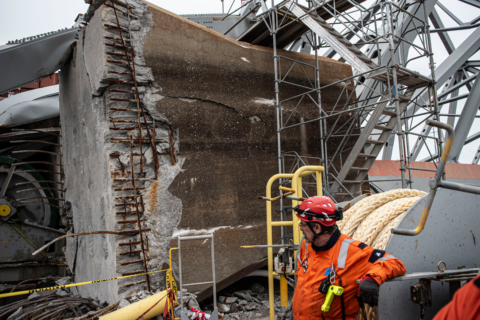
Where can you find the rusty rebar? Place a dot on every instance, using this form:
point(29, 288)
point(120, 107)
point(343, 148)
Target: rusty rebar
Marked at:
point(138, 217)
point(133, 262)
point(130, 252)
point(79, 234)
point(130, 221)
point(129, 243)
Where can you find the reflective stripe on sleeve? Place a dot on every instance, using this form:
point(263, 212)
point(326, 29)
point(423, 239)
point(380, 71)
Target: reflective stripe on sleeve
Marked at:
point(387, 257)
point(342, 256)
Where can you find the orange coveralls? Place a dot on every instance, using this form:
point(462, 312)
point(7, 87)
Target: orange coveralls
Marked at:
point(352, 261)
point(465, 304)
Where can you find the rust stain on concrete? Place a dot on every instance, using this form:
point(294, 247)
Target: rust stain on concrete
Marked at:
point(152, 198)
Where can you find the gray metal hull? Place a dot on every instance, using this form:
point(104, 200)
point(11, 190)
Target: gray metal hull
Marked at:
point(450, 235)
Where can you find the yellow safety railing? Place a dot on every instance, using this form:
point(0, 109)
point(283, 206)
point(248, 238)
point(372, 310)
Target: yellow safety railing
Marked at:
point(295, 191)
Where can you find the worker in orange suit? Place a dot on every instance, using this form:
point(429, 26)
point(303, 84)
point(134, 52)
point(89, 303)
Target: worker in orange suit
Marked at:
point(329, 258)
point(465, 304)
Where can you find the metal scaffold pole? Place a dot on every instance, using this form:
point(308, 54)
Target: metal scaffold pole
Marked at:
point(392, 67)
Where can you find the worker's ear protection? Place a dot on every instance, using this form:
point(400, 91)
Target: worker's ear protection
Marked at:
point(339, 214)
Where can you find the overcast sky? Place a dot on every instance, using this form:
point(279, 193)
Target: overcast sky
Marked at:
point(23, 18)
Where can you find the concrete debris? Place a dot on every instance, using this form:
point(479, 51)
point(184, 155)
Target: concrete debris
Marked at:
point(252, 306)
point(241, 305)
point(123, 303)
point(64, 281)
point(61, 293)
point(223, 308)
point(236, 307)
point(33, 296)
point(227, 300)
point(243, 295)
point(192, 303)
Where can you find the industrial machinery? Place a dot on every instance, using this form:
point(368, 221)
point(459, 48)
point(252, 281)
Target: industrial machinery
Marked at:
point(31, 199)
point(439, 253)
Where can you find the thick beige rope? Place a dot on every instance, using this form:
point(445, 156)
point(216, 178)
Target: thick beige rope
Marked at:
point(372, 219)
point(365, 207)
point(373, 224)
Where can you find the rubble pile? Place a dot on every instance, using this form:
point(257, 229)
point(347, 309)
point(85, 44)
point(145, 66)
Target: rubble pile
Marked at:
point(62, 303)
point(52, 305)
point(246, 304)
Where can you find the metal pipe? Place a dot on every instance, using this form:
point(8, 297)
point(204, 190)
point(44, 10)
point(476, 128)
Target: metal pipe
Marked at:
point(459, 187)
point(434, 82)
point(243, 18)
point(213, 275)
point(400, 133)
point(436, 180)
point(420, 169)
point(268, 193)
point(197, 283)
point(282, 223)
point(135, 310)
point(297, 186)
point(180, 239)
point(179, 246)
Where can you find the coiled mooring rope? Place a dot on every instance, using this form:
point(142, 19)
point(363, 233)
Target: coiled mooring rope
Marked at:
point(372, 219)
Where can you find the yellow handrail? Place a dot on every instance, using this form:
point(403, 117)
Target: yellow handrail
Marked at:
point(296, 190)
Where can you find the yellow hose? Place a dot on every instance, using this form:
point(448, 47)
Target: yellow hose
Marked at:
point(135, 310)
point(372, 219)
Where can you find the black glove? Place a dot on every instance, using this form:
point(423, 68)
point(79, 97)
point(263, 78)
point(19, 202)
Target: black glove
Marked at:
point(368, 291)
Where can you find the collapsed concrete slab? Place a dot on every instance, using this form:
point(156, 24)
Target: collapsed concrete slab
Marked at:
point(206, 147)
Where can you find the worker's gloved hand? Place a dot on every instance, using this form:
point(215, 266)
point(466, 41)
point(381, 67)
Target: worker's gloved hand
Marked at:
point(368, 291)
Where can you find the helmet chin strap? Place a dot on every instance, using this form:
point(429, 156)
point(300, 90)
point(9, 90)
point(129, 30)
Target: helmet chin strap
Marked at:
point(315, 235)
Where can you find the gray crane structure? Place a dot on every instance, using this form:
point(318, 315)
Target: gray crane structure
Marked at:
point(385, 42)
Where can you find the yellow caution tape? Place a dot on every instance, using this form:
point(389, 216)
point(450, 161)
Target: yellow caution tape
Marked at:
point(170, 281)
point(19, 293)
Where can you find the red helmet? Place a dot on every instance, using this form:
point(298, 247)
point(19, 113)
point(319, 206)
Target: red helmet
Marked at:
point(319, 209)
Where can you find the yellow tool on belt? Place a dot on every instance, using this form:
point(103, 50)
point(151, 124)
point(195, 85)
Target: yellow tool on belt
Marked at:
point(332, 292)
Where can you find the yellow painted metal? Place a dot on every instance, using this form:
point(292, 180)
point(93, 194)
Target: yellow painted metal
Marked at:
point(282, 223)
point(5, 210)
point(270, 239)
point(278, 274)
point(135, 310)
point(446, 150)
point(297, 188)
point(283, 291)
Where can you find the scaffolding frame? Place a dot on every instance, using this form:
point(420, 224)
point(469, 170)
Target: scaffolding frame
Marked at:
point(386, 26)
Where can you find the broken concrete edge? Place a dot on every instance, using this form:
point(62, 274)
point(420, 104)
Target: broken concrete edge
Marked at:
point(162, 211)
point(241, 43)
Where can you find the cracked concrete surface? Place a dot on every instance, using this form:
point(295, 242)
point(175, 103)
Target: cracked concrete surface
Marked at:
point(220, 94)
point(216, 96)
